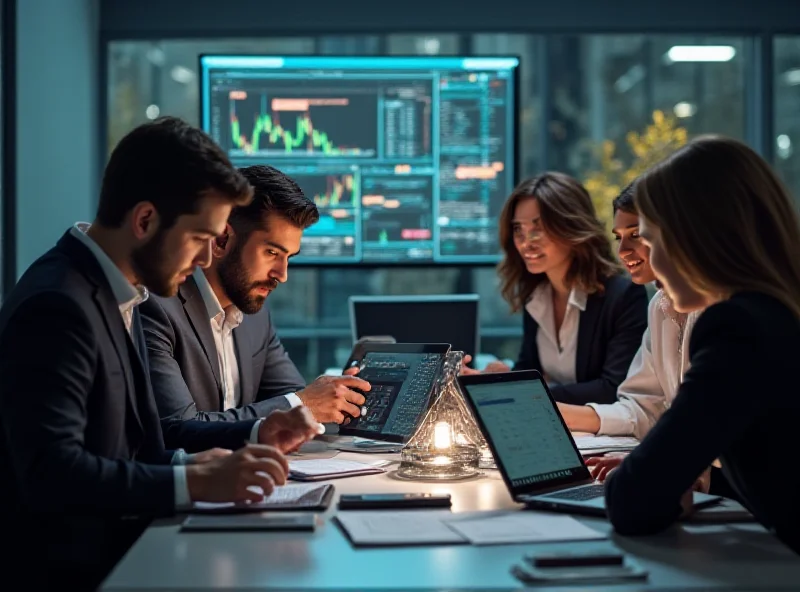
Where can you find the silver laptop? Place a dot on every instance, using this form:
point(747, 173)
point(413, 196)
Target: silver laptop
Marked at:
point(533, 447)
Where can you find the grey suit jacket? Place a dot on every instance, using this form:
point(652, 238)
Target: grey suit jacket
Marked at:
point(184, 364)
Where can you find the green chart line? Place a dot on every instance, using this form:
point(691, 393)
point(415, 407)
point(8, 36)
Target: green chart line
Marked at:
point(275, 132)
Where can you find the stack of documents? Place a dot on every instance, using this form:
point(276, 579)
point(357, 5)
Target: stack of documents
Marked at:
point(440, 527)
point(320, 469)
point(602, 444)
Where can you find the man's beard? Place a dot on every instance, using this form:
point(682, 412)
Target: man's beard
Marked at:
point(148, 265)
point(237, 285)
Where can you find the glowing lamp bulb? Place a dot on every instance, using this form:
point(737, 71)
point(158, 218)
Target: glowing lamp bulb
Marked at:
point(441, 435)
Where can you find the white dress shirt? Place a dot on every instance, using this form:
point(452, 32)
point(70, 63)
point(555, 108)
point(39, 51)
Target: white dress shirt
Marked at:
point(557, 356)
point(128, 297)
point(223, 322)
point(654, 375)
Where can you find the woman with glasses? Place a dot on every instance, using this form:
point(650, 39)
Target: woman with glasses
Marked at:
point(583, 317)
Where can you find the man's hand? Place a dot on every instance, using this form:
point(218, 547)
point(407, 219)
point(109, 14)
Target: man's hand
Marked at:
point(328, 397)
point(200, 458)
point(601, 466)
point(230, 478)
point(288, 430)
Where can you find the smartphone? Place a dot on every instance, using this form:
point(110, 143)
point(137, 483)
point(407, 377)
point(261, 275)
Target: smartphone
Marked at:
point(393, 501)
point(592, 575)
point(575, 559)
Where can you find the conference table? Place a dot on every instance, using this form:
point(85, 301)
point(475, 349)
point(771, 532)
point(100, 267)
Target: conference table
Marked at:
point(734, 556)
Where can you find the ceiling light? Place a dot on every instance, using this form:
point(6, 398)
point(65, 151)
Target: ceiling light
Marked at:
point(628, 80)
point(700, 53)
point(182, 74)
point(152, 111)
point(791, 77)
point(784, 144)
point(684, 109)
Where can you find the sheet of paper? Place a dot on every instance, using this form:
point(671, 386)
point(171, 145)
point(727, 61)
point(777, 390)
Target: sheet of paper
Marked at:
point(520, 526)
point(407, 527)
point(287, 494)
point(332, 466)
point(606, 443)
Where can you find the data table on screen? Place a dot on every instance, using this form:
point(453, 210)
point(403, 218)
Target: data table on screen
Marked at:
point(409, 160)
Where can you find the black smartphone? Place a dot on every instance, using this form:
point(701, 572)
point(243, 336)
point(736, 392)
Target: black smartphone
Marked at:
point(393, 501)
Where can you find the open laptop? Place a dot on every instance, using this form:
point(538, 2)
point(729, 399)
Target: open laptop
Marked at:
point(532, 445)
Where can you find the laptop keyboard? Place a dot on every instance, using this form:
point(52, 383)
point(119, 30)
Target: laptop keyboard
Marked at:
point(579, 494)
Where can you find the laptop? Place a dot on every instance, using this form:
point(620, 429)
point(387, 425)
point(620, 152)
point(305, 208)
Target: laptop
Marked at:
point(534, 450)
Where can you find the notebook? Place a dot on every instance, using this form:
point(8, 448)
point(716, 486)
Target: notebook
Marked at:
point(308, 497)
point(256, 521)
point(322, 469)
point(442, 527)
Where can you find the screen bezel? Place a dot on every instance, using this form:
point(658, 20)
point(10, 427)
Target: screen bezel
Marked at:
point(354, 301)
point(358, 354)
point(464, 382)
point(515, 140)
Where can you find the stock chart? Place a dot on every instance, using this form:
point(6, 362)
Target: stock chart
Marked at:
point(409, 160)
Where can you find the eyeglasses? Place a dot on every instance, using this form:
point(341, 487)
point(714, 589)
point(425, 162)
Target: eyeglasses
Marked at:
point(530, 235)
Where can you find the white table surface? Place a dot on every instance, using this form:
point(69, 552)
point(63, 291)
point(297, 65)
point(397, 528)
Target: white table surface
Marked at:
point(730, 557)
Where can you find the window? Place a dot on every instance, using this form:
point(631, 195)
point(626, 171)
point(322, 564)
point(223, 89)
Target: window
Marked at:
point(147, 79)
point(433, 44)
point(787, 111)
point(602, 87)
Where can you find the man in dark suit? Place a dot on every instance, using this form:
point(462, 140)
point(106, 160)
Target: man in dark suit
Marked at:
point(82, 450)
point(214, 354)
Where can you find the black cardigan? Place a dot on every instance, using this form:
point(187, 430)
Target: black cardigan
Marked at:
point(738, 402)
point(609, 335)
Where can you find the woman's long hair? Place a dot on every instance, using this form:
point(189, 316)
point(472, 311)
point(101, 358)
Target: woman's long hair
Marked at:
point(568, 217)
point(726, 221)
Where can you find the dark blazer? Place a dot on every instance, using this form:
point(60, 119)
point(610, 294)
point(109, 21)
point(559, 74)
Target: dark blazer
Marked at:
point(738, 402)
point(609, 335)
point(184, 364)
point(81, 444)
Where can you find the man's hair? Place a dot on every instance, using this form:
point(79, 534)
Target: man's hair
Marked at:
point(624, 201)
point(171, 164)
point(274, 194)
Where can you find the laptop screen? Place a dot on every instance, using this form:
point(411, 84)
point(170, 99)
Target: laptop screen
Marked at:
point(527, 435)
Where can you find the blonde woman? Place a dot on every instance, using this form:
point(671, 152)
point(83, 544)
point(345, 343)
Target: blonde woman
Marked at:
point(723, 235)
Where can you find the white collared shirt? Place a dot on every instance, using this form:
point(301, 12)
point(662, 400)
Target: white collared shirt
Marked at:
point(655, 374)
point(223, 322)
point(128, 297)
point(557, 356)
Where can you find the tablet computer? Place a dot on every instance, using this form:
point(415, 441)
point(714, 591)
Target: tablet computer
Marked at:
point(402, 376)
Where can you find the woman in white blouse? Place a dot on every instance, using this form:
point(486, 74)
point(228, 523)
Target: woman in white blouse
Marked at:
point(657, 370)
point(583, 318)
